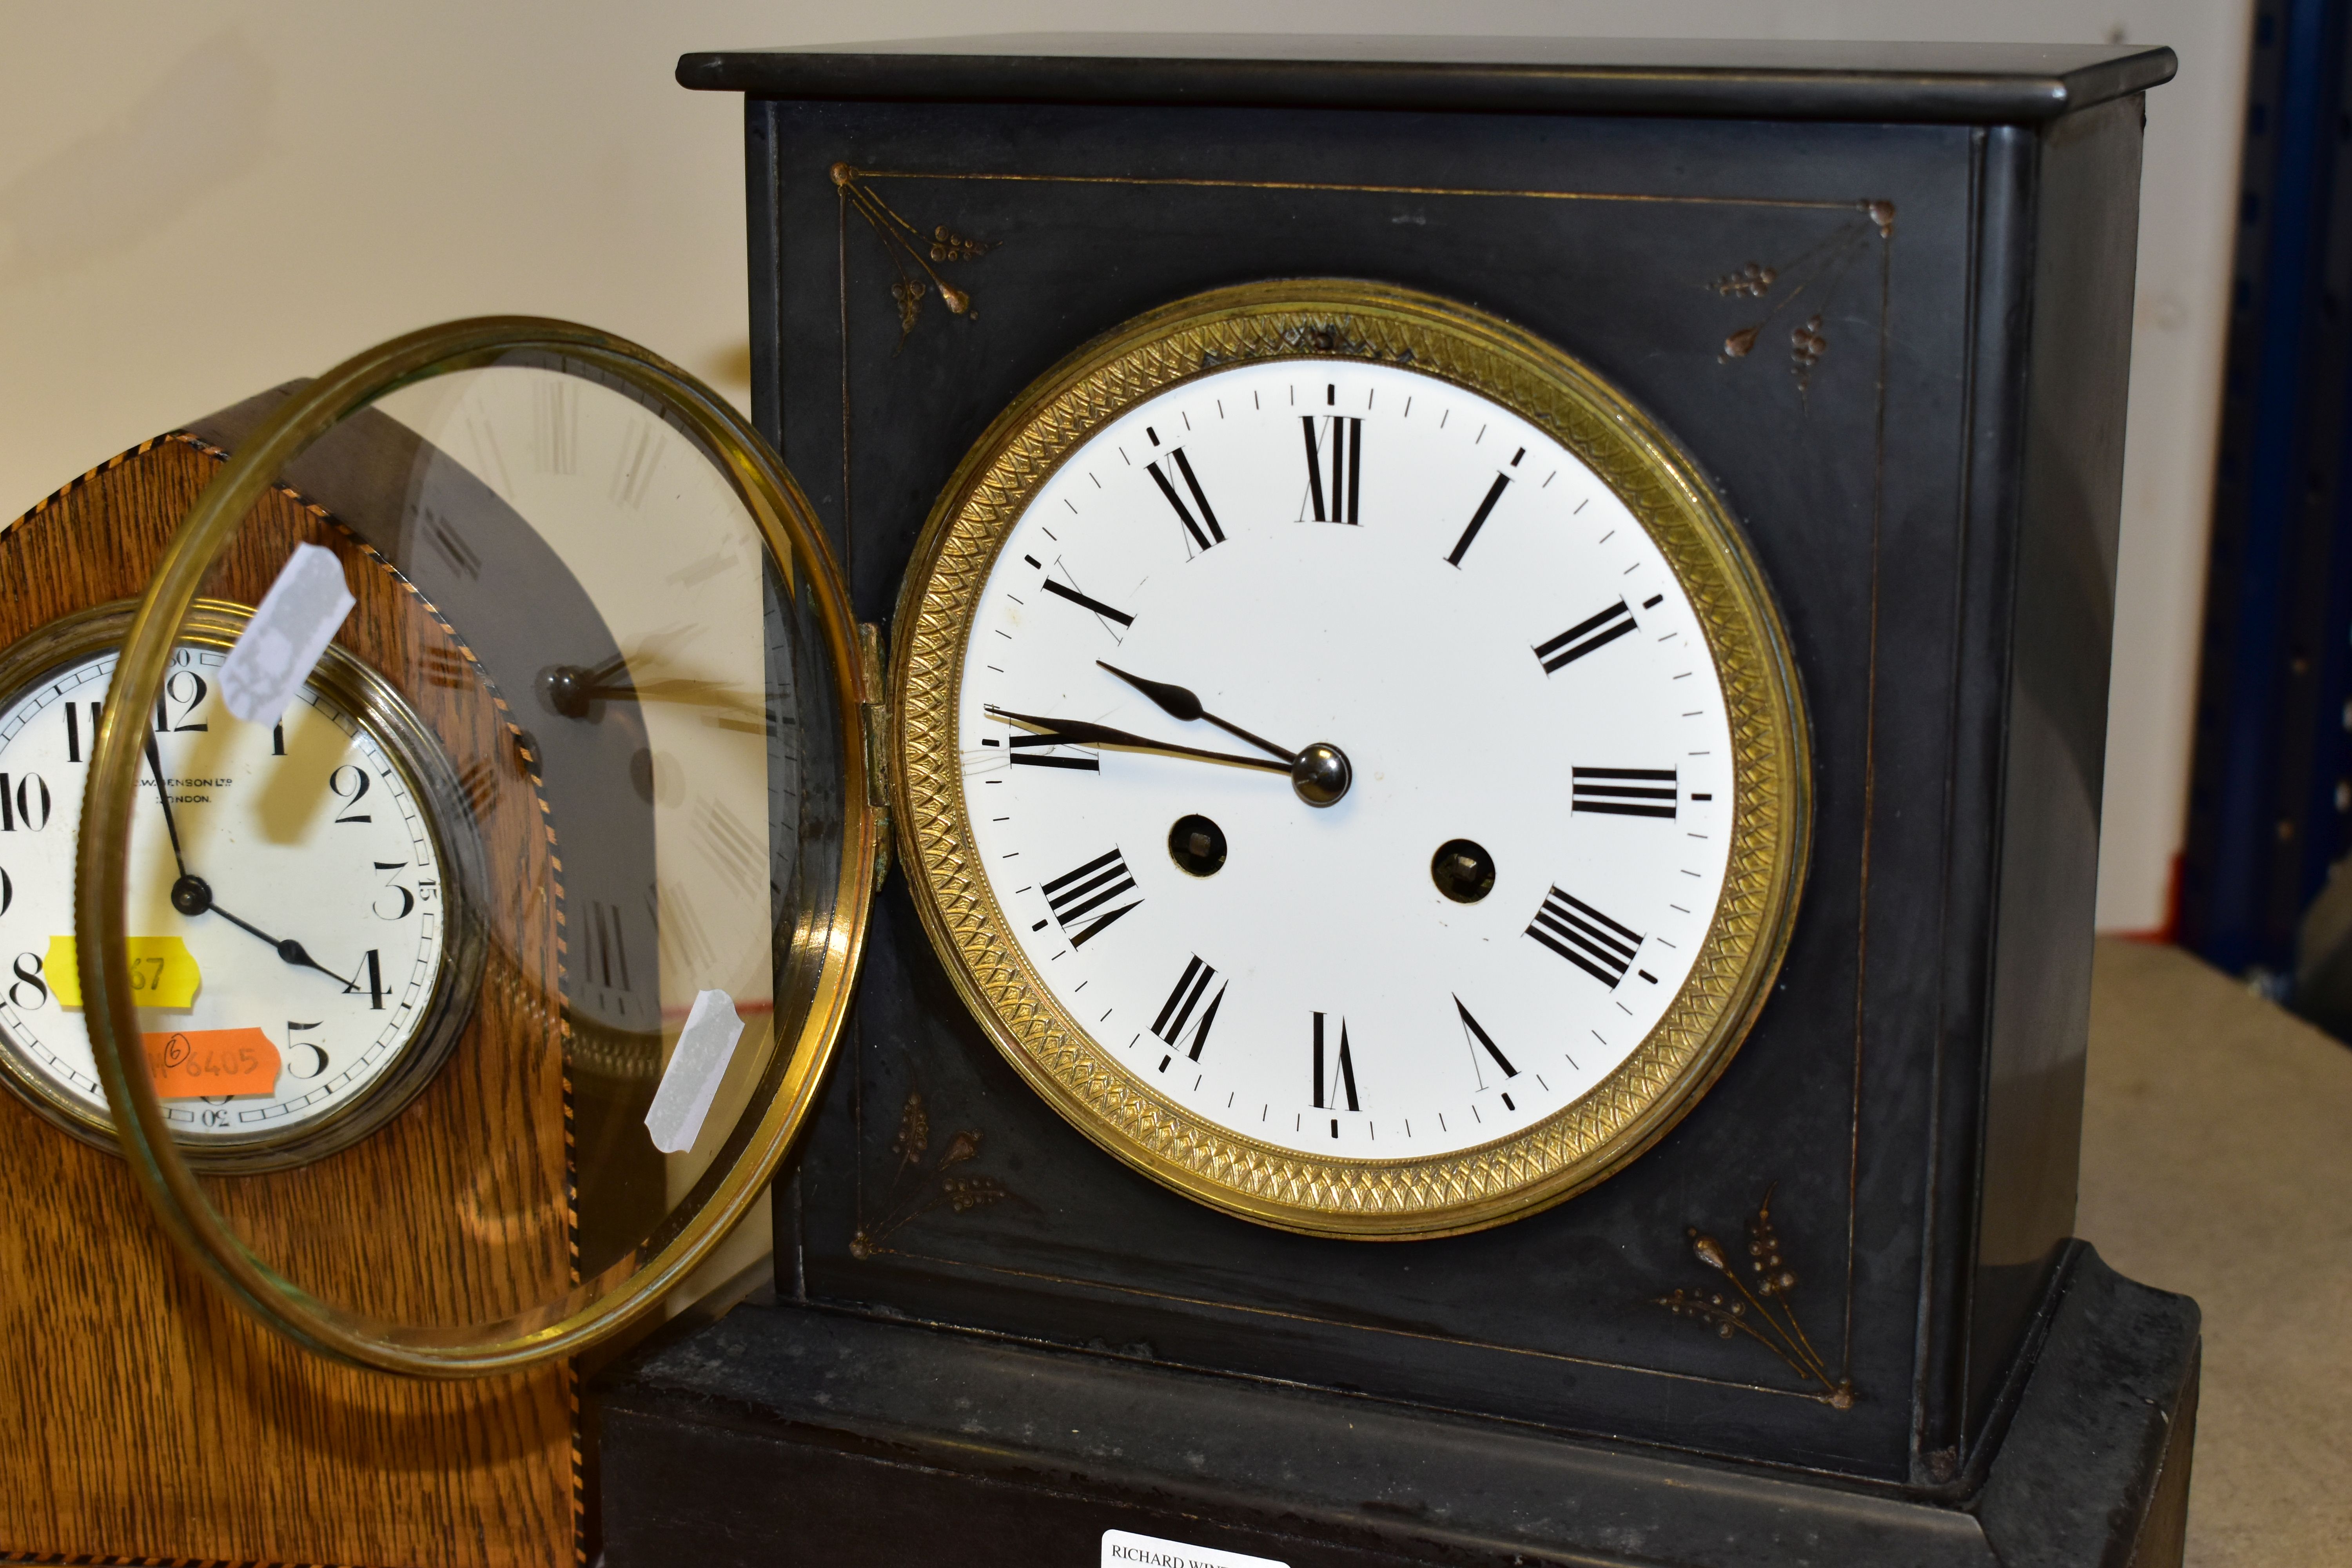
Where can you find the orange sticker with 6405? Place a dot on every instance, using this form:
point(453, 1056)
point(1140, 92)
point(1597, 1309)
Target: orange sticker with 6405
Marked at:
point(191, 1064)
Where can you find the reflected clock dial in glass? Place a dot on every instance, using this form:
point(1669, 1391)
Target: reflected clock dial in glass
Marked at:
point(690, 673)
point(1346, 758)
point(292, 899)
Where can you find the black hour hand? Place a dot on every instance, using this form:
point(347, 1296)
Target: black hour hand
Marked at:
point(1180, 703)
point(192, 895)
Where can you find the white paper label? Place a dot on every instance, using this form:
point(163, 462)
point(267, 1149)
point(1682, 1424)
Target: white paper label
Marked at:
point(1121, 1550)
point(705, 1046)
point(281, 644)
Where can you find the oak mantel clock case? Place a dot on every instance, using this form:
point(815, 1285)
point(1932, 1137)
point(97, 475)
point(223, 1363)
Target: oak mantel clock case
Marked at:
point(1874, 304)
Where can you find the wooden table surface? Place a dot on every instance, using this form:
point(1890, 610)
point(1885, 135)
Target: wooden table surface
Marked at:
point(2217, 1161)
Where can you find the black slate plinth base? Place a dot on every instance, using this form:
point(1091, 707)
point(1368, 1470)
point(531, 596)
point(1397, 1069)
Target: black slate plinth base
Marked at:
point(784, 1435)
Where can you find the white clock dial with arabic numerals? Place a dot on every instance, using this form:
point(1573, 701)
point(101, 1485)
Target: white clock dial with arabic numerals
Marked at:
point(1490, 879)
point(287, 878)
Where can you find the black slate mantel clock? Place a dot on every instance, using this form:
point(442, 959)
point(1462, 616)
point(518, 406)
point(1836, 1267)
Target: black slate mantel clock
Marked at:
point(1497, 668)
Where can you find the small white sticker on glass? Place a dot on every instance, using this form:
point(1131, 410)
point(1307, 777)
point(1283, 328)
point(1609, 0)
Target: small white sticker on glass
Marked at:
point(1121, 1550)
point(705, 1046)
point(281, 644)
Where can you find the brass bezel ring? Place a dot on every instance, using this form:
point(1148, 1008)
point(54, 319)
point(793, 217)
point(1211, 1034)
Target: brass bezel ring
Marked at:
point(1329, 319)
point(826, 943)
point(371, 702)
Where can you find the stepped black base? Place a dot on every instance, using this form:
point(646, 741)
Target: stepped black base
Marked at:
point(783, 1436)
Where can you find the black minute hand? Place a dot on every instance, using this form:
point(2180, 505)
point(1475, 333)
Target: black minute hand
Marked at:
point(163, 798)
point(1178, 702)
point(1078, 733)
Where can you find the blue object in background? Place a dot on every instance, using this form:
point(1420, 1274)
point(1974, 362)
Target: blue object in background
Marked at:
point(2271, 793)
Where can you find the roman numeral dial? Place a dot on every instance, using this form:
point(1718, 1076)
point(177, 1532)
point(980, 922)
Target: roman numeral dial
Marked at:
point(1373, 565)
point(1033, 751)
point(1482, 1044)
point(1078, 897)
point(1601, 947)
point(1486, 509)
point(1624, 791)
point(1087, 602)
point(1177, 1012)
point(1335, 467)
point(1202, 531)
point(1588, 637)
point(1335, 1067)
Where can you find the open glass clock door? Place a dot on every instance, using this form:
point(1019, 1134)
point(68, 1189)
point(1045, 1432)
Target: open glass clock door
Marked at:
point(454, 991)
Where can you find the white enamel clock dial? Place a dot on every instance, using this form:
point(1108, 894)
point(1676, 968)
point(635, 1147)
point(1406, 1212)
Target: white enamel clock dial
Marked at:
point(1524, 865)
point(308, 898)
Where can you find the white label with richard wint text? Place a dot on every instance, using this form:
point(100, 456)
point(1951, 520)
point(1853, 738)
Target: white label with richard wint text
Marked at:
point(1121, 1550)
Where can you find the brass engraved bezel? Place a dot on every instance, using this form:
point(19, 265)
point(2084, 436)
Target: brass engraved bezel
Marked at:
point(1636, 1103)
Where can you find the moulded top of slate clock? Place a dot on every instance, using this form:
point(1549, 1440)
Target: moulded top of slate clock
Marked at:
point(1774, 80)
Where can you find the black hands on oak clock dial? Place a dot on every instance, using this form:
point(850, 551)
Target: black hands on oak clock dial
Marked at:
point(193, 895)
point(163, 799)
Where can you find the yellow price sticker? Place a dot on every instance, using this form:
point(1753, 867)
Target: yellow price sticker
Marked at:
point(163, 972)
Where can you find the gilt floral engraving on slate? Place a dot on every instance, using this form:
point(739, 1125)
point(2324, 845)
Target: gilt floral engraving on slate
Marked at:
point(1818, 272)
point(1761, 1303)
point(903, 242)
point(923, 1185)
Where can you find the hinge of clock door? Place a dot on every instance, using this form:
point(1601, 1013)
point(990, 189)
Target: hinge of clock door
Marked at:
point(873, 719)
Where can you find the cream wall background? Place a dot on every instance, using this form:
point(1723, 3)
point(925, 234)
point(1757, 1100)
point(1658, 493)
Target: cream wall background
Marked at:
point(199, 201)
